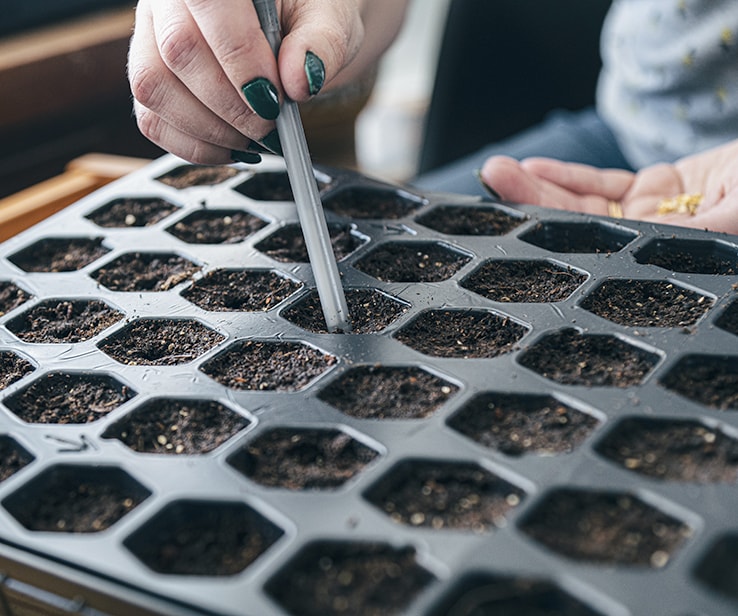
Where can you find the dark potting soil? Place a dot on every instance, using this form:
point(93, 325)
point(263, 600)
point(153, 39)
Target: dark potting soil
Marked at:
point(712, 381)
point(12, 457)
point(59, 254)
point(302, 459)
point(461, 220)
point(412, 262)
point(578, 237)
point(364, 203)
point(12, 368)
point(288, 244)
point(216, 227)
point(197, 175)
point(270, 186)
point(677, 259)
point(132, 212)
point(137, 271)
point(11, 297)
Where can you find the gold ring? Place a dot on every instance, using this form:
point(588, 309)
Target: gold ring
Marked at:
point(615, 209)
point(685, 203)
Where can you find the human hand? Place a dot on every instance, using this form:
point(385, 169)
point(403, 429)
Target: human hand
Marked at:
point(568, 186)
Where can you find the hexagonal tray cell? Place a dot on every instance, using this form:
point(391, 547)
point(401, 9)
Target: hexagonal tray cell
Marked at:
point(524, 281)
point(224, 226)
point(287, 245)
point(190, 537)
point(706, 379)
point(264, 365)
point(75, 499)
point(328, 578)
point(177, 426)
point(240, 290)
point(444, 495)
point(56, 321)
point(68, 398)
point(516, 424)
point(370, 311)
point(691, 256)
point(186, 176)
point(62, 254)
point(132, 212)
point(718, 569)
point(274, 186)
point(605, 527)
point(372, 203)
point(412, 262)
point(11, 296)
point(388, 392)
point(578, 237)
point(471, 220)
point(302, 459)
point(461, 333)
point(573, 358)
point(647, 303)
point(728, 319)
point(13, 368)
point(137, 271)
point(13, 457)
point(160, 342)
point(674, 450)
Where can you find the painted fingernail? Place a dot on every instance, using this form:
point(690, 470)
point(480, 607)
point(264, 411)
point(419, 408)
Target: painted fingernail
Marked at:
point(263, 97)
point(237, 156)
point(490, 191)
point(271, 142)
point(315, 71)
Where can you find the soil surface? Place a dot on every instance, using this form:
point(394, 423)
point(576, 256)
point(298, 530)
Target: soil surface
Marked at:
point(12, 457)
point(60, 255)
point(274, 186)
point(12, 368)
point(302, 459)
point(137, 271)
point(416, 262)
point(462, 220)
point(712, 381)
point(132, 212)
point(577, 238)
point(216, 227)
point(288, 244)
point(60, 321)
point(365, 203)
point(11, 297)
point(728, 320)
point(676, 259)
point(197, 175)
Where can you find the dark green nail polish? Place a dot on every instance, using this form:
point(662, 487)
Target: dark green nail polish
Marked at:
point(315, 71)
point(251, 158)
point(490, 191)
point(272, 142)
point(263, 97)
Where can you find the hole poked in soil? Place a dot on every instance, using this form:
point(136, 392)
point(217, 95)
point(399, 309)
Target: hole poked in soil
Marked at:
point(13, 457)
point(728, 319)
point(12, 368)
point(137, 271)
point(691, 256)
point(240, 290)
point(263, 365)
point(160, 342)
point(367, 203)
point(471, 220)
point(672, 450)
point(370, 311)
point(203, 538)
point(132, 212)
point(524, 281)
point(69, 398)
point(444, 495)
point(706, 379)
point(605, 527)
point(328, 578)
point(647, 303)
point(573, 358)
point(216, 227)
point(516, 424)
point(412, 262)
point(57, 321)
point(302, 459)
point(287, 245)
point(385, 392)
point(461, 334)
point(274, 186)
point(11, 296)
point(75, 499)
point(177, 426)
point(59, 254)
point(578, 237)
point(718, 569)
point(186, 176)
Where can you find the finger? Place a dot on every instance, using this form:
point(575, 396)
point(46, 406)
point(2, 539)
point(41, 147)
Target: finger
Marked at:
point(581, 179)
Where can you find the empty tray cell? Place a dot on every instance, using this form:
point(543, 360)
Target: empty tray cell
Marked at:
point(177, 426)
point(578, 237)
point(412, 262)
point(605, 527)
point(137, 271)
point(718, 569)
point(331, 578)
point(264, 365)
point(11, 296)
point(377, 203)
point(12, 368)
point(191, 537)
point(385, 392)
point(240, 290)
point(516, 424)
point(272, 186)
point(287, 245)
point(75, 499)
point(132, 212)
point(302, 459)
point(672, 450)
point(68, 398)
point(691, 256)
point(471, 220)
point(728, 319)
point(370, 310)
point(445, 495)
point(524, 281)
point(461, 334)
point(64, 254)
point(57, 321)
point(647, 303)
point(709, 380)
point(13, 457)
point(216, 227)
point(573, 358)
point(160, 342)
point(186, 176)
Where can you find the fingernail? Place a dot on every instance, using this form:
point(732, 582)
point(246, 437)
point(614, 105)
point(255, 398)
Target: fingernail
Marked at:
point(237, 156)
point(490, 191)
point(263, 98)
point(271, 142)
point(315, 71)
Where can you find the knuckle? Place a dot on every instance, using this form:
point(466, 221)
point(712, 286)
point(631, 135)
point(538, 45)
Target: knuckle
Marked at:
point(145, 85)
point(178, 46)
point(234, 52)
point(149, 124)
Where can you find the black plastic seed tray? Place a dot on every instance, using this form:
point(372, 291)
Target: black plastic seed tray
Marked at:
point(535, 414)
